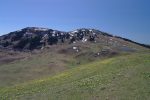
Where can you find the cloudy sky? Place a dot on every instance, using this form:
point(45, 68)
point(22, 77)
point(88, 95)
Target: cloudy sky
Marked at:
point(126, 18)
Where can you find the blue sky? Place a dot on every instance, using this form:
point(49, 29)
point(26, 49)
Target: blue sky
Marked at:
point(126, 18)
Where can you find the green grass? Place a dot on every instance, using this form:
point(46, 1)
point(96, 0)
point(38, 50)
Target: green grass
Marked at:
point(118, 78)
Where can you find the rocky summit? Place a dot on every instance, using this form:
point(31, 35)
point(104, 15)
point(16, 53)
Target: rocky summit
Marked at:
point(31, 38)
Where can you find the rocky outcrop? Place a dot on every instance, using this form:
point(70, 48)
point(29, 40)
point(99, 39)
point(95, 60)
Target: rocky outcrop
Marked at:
point(35, 38)
point(31, 38)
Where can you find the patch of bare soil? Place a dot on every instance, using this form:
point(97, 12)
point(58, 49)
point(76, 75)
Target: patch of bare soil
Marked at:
point(10, 56)
point(5, 60)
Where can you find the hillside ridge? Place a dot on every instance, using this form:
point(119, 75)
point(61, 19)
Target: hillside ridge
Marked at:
point(31, 38)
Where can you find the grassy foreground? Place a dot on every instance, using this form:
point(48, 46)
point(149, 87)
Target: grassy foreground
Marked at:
point(119, 78)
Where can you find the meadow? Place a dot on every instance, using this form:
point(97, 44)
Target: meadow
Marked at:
point(118, 78)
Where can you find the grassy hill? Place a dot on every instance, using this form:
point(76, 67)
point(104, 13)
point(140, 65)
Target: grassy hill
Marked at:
point(125, 77)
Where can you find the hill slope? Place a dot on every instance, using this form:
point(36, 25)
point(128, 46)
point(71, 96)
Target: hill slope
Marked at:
point(118, 78)
point(40, 63)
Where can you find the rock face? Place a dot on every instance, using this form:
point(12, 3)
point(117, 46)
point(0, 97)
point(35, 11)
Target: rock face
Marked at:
point(31, 38)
